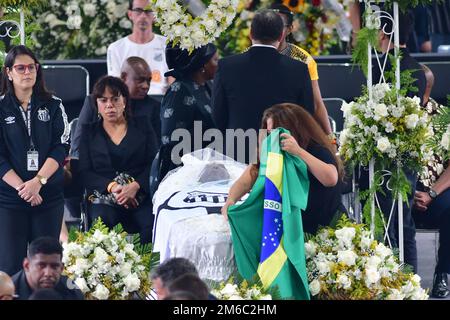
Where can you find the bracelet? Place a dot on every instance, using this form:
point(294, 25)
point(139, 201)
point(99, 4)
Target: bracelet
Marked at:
point(110, 186)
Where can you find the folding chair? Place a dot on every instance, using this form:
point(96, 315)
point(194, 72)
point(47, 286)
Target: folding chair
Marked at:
point(70, 83)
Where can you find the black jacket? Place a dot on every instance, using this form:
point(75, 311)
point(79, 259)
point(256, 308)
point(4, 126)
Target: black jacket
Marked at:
point(95, 162)
point(148, 107)
point(50, 132)
point(246, 84)
point(24, 291)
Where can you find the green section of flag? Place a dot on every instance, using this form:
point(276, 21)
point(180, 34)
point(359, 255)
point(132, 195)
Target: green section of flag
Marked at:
point(246, 221)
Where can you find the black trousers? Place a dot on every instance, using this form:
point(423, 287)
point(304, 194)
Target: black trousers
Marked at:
point(20, 226)
point(409, 228)
point(139, 220)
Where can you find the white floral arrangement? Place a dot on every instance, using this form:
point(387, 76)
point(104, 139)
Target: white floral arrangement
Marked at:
point(244, 290)
point(105, 266)
point(348, 264)
point(389, 131)
point(80, 29)
point(181, 28)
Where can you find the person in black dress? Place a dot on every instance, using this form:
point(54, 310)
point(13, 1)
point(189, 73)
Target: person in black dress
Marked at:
point(310, 143)
point(116, 153)
point(185, 102)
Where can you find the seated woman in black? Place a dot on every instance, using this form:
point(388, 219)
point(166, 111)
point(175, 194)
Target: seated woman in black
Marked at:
point(116, 153)
point(188, 100)
point(310, 143)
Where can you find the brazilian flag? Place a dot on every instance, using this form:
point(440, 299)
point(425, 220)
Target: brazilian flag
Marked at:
point(266, 229)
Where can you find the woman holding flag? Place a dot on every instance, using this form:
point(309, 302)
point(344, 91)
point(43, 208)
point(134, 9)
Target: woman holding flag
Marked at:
point(295, 186)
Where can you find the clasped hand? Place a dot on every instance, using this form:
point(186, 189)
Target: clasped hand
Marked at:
point(126, 195)
point(422, 200)
point(29, 191)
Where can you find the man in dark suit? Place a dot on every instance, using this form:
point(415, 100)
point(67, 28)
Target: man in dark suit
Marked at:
point(246, 84)
point(42, 268)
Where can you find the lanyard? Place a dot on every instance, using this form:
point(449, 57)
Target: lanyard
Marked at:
point(27, 119)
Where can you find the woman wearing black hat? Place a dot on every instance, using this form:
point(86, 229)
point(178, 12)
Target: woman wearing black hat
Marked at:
point(187, 101)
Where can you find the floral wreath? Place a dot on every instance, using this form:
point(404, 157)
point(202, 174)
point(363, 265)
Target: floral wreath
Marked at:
point(181, 28)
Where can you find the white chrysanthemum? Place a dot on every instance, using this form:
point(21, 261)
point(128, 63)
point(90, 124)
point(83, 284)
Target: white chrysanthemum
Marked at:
point(383, 144)
point(373, 261)
point(397, 111)
point(74, 22)
point(395, 294)
point(445, 141)
point(382, 251)
point(381, 110)
point(100, 256)
point(345, 236)
point(323, 267)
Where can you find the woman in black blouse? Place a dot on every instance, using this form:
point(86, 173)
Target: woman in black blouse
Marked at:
point(188, 100)
point(309, 142)
point(116, 153)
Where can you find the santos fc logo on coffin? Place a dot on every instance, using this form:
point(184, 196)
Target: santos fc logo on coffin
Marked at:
point(44, 114)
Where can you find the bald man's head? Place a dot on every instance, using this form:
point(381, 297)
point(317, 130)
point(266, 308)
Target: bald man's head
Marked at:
point(137, 75)
point(7, 288)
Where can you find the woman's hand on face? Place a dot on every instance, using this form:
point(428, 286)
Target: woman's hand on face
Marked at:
point(289, 144)
point(29, 189)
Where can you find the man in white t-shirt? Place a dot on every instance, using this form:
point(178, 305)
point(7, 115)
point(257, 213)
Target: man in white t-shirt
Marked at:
point(142, 42)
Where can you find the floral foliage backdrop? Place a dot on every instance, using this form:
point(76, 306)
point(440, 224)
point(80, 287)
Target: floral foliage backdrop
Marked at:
point(316, 24)
point(80, 29)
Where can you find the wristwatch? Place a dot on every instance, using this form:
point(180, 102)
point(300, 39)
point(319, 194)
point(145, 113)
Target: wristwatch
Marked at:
point(433, 194)
point(42, 180)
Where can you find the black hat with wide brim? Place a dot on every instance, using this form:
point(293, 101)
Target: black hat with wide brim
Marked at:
point(181, 63)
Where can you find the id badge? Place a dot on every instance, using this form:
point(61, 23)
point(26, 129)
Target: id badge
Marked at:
point(32, 160)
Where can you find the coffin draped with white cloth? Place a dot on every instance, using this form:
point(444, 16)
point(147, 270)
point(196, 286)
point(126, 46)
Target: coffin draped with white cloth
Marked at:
point(187, 207)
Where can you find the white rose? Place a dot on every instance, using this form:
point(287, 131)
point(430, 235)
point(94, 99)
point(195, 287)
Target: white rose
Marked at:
point(371, 276)
point(310, 248)
point(125, 269)
point(388, 127)
point(101, 292)
point(383, 144)
point(347, 257)
point(345, 235)
point(416, 279)
point(82, 285)
point(373, 262)
point(314, 287)
point(412, 120)
point(382, 251)
point(229, 290)
point(74, 22)
point(365, 242)
point(98, 236)
point(132, 282)
point(381, 110)
point(344, 281)
point(89, 9)
point(80, 266)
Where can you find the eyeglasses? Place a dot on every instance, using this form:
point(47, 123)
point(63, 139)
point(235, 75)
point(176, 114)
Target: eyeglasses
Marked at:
point(22, 68)
point(139, 11)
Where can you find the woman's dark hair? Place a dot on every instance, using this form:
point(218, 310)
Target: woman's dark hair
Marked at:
point(117, 88)
point(303, 127)
point(39, 88)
